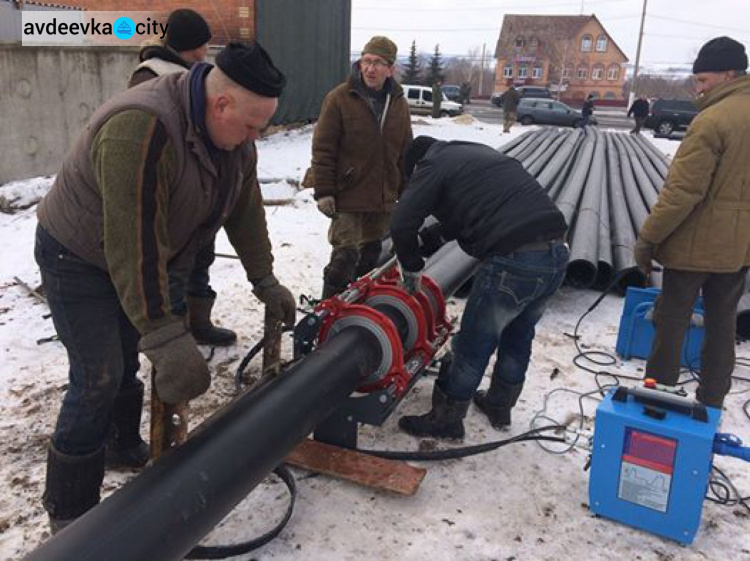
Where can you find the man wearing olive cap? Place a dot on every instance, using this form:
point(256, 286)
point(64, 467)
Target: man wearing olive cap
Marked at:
point(357, 162)
point(699, 229)
point(157, 171)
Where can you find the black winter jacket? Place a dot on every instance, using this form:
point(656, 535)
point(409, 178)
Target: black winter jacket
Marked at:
point(639, 108)
point(485, 200)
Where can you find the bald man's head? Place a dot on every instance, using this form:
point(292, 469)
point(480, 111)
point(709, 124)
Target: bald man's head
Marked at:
point(233, 113)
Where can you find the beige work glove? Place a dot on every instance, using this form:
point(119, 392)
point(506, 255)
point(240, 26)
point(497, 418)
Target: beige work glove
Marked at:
point(278, 299)
point(181, 371)
point(644, 253)
point(327, 205)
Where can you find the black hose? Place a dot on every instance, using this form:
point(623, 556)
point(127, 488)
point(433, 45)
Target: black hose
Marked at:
point(224, 551)
point(453, 453)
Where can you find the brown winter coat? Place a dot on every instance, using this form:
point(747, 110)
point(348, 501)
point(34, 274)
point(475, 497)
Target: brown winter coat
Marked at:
point(701, 221)
point(511, 97)
point(352, 159)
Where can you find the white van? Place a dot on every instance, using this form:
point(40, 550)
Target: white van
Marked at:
point(420, 102)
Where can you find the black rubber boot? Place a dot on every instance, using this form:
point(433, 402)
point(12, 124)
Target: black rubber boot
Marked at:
point(339, 272)
point(125, 447)
point(445, 420)
point(368, 257)
point(497, 402)
point(201, 326)
point(72, 485)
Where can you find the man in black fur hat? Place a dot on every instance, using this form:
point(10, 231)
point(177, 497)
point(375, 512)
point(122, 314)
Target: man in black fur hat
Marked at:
point(155, 174)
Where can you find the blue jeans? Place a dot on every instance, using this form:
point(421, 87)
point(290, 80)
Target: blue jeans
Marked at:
point(196, 283)
point(508, 298)
point(100, 341)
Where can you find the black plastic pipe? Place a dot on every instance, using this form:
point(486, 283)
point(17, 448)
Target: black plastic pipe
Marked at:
point(527, 146)
point(636, 205)
point(511, 144)
point(540, 162)
point(605, 259)
point(584, 244)
point(543, 141)
point(658, 159)
point(165, 511)
point(643, 181)
point(558, 167)
point(623, 235)
point(571, 192)
point(655, 177)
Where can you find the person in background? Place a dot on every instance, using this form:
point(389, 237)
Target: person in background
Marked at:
point(699, 229)
point(185, 43)
point(588, 109)
point(639, 112)
point(437, 98)
point(157, 171)
point(357, 162)
point(500, 215)
point(511, 97)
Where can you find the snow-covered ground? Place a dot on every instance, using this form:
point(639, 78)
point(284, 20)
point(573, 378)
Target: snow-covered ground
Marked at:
point(519, 502)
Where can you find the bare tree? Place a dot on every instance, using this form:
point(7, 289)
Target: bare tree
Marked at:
point(656, 86)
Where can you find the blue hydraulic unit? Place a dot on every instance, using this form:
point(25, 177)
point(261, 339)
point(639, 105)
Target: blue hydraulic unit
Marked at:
point(651, 459)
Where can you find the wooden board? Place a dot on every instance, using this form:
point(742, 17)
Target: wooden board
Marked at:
point(370, 471)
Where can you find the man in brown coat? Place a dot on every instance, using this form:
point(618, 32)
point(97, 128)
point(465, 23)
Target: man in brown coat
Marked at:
point(699, 229)
point(511, 97)
point(357, 162)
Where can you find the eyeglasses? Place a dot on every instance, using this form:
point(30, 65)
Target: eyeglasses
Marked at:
point(376, 62)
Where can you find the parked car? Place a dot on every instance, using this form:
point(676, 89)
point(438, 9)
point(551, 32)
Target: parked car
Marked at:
point(459, 94)
point(668, 115)
point(537, 92)
point(549, 112)
point(420, 102)
point(452, 92)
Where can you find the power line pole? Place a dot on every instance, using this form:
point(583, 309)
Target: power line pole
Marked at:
point(481, 71)
point(631, 97)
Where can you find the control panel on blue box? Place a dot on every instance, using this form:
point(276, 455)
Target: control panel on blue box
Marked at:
point(651, 460)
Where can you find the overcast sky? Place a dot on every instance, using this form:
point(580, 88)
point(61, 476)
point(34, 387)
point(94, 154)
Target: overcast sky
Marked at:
point(673, 33)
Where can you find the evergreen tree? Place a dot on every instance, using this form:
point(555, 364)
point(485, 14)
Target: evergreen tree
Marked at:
point(413, 71)
point(435, 71)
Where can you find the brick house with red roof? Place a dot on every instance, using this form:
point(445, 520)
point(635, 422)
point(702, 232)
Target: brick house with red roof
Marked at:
point(572, 55)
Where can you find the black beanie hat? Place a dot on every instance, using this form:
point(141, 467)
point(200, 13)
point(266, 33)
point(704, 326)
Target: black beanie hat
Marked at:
point(416, 151)
point(249, 65)
point(720, 54)
point(187, 30)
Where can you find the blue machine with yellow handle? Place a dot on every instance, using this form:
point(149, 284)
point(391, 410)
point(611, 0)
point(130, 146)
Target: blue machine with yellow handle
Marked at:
point(651, 460)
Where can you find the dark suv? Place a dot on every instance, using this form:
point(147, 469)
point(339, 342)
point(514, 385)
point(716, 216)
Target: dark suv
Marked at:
point(668, 115)
point(525, 91)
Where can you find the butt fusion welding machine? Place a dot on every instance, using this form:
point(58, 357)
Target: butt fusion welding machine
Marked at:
point(651, 459)
point(410, 329)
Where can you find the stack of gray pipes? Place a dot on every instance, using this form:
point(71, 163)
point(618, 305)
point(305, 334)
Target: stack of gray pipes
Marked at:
point(605, 183)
